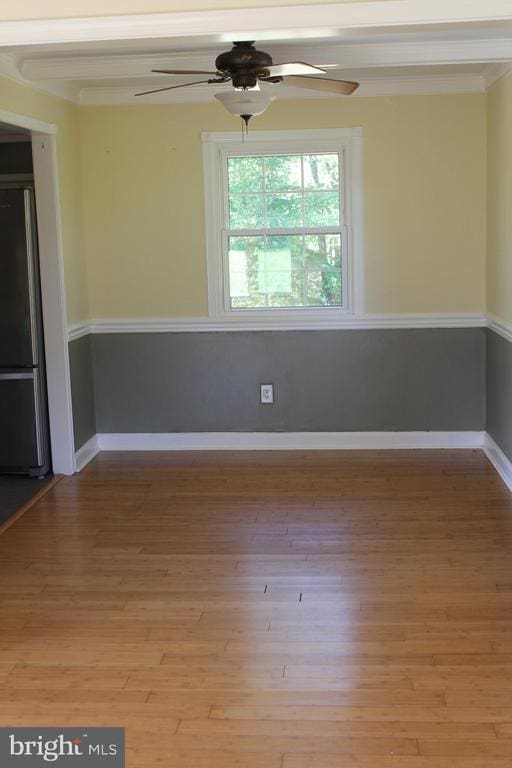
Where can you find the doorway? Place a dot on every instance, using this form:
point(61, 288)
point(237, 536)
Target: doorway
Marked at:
point(44, 157)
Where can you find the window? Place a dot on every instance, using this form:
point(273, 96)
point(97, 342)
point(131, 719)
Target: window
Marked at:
point(281, 214)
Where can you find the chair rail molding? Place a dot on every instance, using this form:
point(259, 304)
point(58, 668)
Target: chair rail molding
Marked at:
point(205, 325)
point(500, 326)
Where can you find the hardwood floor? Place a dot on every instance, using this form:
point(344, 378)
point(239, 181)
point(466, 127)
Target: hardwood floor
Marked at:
point(291, 610)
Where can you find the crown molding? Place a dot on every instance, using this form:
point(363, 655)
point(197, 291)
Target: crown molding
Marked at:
point(205, 325)
point(495, 72)
point(382, 86)
point(247, 22)
point(9, 68)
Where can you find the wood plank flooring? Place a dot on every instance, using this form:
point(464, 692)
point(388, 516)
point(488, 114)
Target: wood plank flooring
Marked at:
point(290, 610)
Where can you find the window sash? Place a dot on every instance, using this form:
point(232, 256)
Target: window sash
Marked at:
point(342, 231)
point(225, 156)
point(227, 231)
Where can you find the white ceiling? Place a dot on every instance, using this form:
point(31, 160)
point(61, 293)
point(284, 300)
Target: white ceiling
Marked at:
point(434, 58)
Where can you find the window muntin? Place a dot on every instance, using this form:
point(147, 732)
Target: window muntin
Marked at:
point(284, 231)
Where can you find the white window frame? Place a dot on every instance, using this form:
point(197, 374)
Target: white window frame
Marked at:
point(217, 147)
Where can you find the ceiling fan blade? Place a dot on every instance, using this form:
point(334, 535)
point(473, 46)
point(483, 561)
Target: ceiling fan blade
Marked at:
point(343, 87)
point(294, 68)
point(170, 88)
point(184, 71)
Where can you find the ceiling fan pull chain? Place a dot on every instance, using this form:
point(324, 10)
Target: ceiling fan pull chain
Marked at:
point(245, 120)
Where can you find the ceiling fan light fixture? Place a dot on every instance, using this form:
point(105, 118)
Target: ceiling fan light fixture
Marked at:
point(243, 103)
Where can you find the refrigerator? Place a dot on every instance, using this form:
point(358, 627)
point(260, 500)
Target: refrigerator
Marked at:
point(24, 432)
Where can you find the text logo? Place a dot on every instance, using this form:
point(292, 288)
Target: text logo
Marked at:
point(64, 747)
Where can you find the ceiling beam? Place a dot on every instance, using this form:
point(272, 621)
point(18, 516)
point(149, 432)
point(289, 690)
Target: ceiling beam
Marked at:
point(303, 20)
point(339, 56)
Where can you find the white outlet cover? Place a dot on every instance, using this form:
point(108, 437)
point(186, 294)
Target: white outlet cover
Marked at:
point(267, 394)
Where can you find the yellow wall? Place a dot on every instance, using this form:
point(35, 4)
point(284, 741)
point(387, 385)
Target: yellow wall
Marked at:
point(424, 201)
point(140, 250)
point(499, 201)
point(36, 9)
point(23, 100)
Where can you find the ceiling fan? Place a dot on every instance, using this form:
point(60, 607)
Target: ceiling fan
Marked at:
point(245, 67)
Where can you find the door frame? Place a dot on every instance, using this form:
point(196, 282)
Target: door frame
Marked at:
point(53, 295)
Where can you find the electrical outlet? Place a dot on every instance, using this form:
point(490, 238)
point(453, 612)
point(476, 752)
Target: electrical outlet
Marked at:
point(267, 393)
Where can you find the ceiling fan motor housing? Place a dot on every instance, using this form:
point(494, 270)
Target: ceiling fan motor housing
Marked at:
point(244, 63)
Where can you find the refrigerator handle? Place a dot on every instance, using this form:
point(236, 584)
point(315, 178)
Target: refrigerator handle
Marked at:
point(13, 375)
point(38, 416)
point(30, 234)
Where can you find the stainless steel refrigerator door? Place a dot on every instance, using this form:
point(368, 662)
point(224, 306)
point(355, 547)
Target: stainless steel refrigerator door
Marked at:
point(21, 446)
point(18, 297)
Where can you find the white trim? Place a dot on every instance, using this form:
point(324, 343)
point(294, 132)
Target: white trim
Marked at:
point(276, 441)
point(495, 72)
point(248, 23)
point(205, 325)
point(217, 147)
point(29, 123)
point(297, 441)
point(376, 86)
point(44, 152)
point(500, 326)
point(78, 330)
point(9, 68)
point(271, 137)
point(86, 453)
point(499, 460)
point(411, 85)
point(356, 230)
point(327, 53)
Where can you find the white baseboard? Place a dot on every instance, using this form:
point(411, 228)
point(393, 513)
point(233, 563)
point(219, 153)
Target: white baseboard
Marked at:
point(299, 441)
point(290, 441)
point(275, 441)
point(87, 452)
point(500, 462)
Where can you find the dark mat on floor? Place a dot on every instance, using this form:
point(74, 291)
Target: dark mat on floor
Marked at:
point(15, 491)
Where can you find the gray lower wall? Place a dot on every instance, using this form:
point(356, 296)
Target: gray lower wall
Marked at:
point(499, 391)
point(82, 389)
point(339, 380)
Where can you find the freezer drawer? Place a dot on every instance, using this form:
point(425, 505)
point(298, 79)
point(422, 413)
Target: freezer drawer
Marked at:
point(20, 428)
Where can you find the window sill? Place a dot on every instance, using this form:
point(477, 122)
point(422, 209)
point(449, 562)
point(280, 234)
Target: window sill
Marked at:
point(284, 319)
